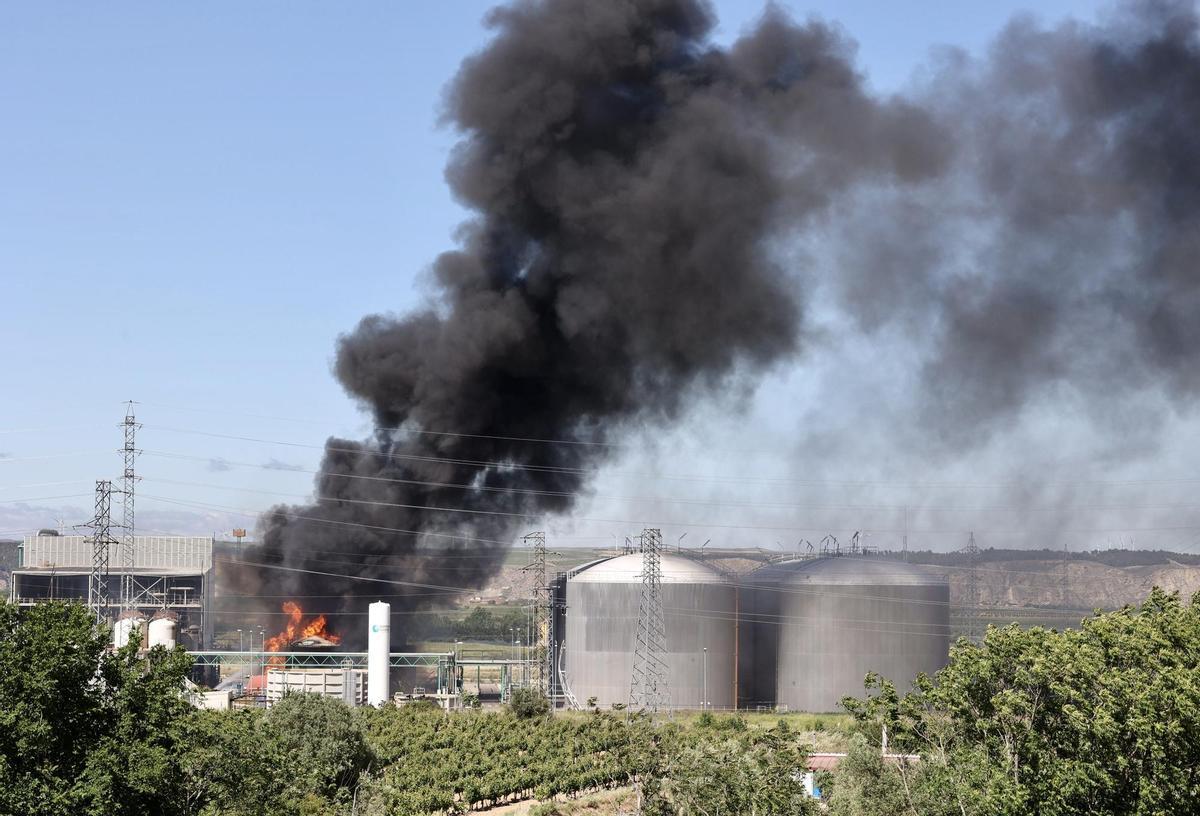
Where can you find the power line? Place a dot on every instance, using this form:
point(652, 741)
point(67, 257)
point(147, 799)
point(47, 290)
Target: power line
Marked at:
point(651, 499)
point(44, 484)
point(508, 465)
point(663, 523)
point(89, 427)
point(44, 498)
point(7, 459)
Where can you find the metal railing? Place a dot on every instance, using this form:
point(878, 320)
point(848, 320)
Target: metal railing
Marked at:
point(397, 660)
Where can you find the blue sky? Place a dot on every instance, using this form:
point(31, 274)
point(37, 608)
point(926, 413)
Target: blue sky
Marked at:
point(195, 199)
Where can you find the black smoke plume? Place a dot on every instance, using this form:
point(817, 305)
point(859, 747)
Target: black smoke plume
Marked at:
point(627, 178)
point(1020, 232)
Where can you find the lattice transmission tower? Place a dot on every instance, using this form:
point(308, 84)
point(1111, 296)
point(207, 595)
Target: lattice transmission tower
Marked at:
point(128, 480)
point(972, 598)
point(101, 527)
point(1065, 577)
point(648, 686)
point(543, 614)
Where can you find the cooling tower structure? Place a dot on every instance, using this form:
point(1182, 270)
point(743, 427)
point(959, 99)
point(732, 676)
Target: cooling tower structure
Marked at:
point(820, 625)
point(699, 612)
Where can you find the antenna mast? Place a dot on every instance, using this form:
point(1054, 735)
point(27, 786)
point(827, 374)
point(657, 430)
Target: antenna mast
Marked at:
point(128, 480)
point(648, 686)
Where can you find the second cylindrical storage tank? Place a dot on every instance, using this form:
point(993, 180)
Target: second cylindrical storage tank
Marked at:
point(820, 625)
point(699, 614)
point(162, 632)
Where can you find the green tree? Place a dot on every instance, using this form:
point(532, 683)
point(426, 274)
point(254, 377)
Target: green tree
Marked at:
point(230, 764)
point(320, 743)
point(1103, 719)
point(865, 784)
point(84, 730)
point(527, 702)
point(758, 774)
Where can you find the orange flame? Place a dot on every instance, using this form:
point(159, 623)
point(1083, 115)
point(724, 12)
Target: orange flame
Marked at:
point(296, 629)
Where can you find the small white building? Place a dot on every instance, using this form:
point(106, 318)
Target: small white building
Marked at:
point(346, 684)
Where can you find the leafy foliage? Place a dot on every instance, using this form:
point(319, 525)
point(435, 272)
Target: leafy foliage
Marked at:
point(527, 703)
point(865, 784)
point(731, 771)
point(1104, 719)
point(231, 763)
point(84, 730)
point(434, 761)
point(324, 744)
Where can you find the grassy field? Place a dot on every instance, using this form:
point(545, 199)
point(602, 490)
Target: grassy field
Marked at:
point(478, 649)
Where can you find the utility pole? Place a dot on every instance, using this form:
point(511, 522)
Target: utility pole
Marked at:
point(128, 480)
point(648, 685)
point(100, 525)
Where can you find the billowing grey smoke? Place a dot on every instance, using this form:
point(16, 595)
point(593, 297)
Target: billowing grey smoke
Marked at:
point(627, 179)
point(1021, 231)
point(1056, 259)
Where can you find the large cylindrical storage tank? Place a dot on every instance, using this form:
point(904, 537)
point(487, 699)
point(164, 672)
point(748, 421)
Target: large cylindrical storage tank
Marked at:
point(699, 614)
point(162, 633)
point(822, 624)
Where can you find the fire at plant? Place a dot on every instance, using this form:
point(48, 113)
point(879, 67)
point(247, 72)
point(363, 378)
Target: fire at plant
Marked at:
point(629, 188)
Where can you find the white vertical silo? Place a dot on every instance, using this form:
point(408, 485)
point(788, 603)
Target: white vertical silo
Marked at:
point(379, 647)
point(162, 633)
point(129, 626)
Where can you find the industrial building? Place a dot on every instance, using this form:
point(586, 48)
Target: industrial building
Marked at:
point(171, 574)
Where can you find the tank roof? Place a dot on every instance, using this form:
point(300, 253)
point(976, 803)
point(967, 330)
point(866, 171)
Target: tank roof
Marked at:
point(627, 569)
point(851, 570)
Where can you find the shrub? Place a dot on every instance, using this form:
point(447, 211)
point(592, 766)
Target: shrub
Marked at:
point(527, 703)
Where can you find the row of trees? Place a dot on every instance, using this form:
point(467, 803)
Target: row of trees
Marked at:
point(1104, 719)
point(1100, 720)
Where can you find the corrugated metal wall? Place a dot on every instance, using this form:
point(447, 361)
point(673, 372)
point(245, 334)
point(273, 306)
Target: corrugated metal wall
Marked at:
point(820, 626)
point(150, 552)
point(601, 633)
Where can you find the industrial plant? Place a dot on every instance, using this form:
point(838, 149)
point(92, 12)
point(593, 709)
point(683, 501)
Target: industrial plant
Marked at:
point(644, 629)
point(170, 577)
point(650, 630)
